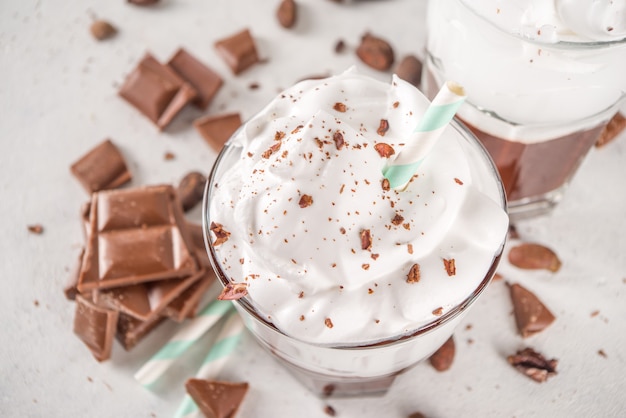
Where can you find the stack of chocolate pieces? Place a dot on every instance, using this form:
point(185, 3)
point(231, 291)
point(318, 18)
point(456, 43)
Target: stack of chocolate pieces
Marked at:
point(142, 261)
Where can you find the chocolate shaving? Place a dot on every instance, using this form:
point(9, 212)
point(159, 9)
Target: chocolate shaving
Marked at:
point(384, 150)
point(221, 234)
point(366, 239)
point(442, 359)
point(414, 274)
point(271, 150)
point(533, 364)
point(233, 291)
point(305, 201)
point(450, 266)
point(534, 256)
point(383, 127)
point(385, 185)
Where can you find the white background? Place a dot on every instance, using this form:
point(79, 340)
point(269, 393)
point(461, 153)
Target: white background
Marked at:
point(58, 98)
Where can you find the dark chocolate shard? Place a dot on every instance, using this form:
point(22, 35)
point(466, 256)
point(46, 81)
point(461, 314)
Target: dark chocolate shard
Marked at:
point(203, 79)
point(157, 91)
point(217, 399)
point(103, 167)
point(533, 364)
point(95, 326)
point(217, 129)
point(531, 315)
point(238, 51)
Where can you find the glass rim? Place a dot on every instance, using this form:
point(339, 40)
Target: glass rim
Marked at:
point(248, 307)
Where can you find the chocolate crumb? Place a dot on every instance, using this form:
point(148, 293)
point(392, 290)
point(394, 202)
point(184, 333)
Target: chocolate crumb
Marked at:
point(612, 130)
point(340, 107)
point(101, 30)
point(271, 150)
point(383, 127)
point(287, 13)
point(338, 139)
point(340, 46)
point(305, 201)
point(397, 219)
point(534, 256)
point(221, 234)
point(233, 291)
point(450, 266)
point(330, 411)
point(442, 359)
point(414, 274)
point(254, 86)
point(328, 389)
point(36, 303)
point(36, 229)
point(366, 239)
point(385, 185)
point(458, 181)
point(169, 156)
point(409, 248)
point(384, 150)
point(533, 364)
point(438, 311)
point(328, 322)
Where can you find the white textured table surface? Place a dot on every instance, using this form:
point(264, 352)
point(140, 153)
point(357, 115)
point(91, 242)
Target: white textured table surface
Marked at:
point(58, 98)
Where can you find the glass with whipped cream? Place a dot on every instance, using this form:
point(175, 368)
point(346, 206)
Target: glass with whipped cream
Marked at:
point(542, 80)
point(345, 280)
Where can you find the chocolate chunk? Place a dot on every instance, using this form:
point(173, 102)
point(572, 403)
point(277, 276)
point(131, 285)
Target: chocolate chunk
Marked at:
point(366, 239)
point(70, 289)
point(534, 256)
point(442, 359)
point(533, 364)
point(221, 235)
point(157, 91)
point(103, 167)
point(305, 201)
point(410, 69)
point(450, 266)
point(216, 130)
point(330, 411)
point(238, 51)
point(135, 236)
point(615, 127)
point(203, 79)
point(384, 150)
point(145, 300)
point(101, 30)
point(217, 399)
point(287, 13)
point(95, 326)
point(130, 331)
point(36, 229)
point(375, 52)
point(191, 189)
point(338, 140)
point(186, 304)
point(531, 316)
point(233, 291)
point(340, 46)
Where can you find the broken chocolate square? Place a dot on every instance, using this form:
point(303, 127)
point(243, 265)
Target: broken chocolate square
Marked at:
point(216, 399)
point(531, 316)
point(103, 167)
point(130, 331)
point(95, 326)
point(157, 91)
point(375, 52)
point(533, 364)
point(216, 130)
point(203, 79)
point(238, 51)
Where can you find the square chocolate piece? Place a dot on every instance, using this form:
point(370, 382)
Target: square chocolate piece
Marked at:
point(103, 167)
point(95, 326)
point(202, 78)
point(156, 91)
point(130, 331)
point(136, 236)
point(238, 51)
point(216, 130)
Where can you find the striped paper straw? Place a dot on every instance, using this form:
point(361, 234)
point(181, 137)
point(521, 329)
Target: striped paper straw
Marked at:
point(181, 341)
point(435, 119)
point(220, 352)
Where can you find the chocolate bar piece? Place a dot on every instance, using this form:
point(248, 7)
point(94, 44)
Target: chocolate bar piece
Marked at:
point(130, 331)
point(410, 69)
point(191, 189)
point(202, 78)
point(216, 130)
point(145, 300)
point(156, 91)
point(238, 51)
point(135, 236)
point(70, 289)
point(101, 168)
point(531, 316)
point(95, 326)
point(186, 304)
point(216, 399)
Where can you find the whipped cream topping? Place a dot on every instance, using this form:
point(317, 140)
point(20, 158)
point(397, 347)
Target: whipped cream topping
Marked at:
point(522, 82)
point(325, 250)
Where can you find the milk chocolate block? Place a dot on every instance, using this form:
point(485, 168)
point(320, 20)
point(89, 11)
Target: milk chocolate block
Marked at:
point(216, 130)
point(202, 78)
point(130, 331)
point(157, 91)
point(238, 51)
point(101, 168)
point(136, 236)
point(145, 300)
point(95, 326)
point(531, 315)
point(216, 399)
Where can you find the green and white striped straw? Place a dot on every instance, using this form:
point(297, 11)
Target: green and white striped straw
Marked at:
point(435, 119)
point(186, 336)
point(218, 355)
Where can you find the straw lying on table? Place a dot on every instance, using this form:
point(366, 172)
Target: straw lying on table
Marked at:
point(181, 341)
point(433, 122)
point(225, 343)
